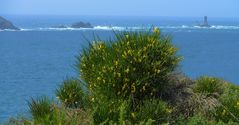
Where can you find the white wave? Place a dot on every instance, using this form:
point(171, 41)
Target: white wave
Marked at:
point(53, 29)
point(122, 28)
point(74, 29)
point(110, 28)
point(116, 28)
point(8, 30)
point(198, 27)
point(224, 27)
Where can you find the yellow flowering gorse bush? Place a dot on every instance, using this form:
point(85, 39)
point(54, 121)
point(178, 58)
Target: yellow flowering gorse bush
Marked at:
point(135, 64)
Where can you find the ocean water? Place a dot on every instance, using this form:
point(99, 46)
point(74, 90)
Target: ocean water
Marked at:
point(36, 59)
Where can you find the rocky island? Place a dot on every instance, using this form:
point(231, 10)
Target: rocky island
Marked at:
point(59, 26)
point(5, 24)
point(81, 25)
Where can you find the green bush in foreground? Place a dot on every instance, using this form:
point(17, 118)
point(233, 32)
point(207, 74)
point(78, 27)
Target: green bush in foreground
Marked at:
point(155, 109)
point(229, 108)
point(136, 64)
point(45, 112)
point(209, 86)
point(71, 94)
point(40, 108)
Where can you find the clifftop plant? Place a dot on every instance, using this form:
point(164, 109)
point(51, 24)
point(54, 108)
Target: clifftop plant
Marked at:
point(135, 65)
point(209, 86)
point(71, 94)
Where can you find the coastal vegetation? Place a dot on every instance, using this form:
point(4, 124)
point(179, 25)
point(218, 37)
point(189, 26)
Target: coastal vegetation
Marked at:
point(135, 79)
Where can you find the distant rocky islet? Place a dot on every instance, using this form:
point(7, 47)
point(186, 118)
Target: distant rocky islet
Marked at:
point(5, 24)
point(81, 25)
point(75, 25)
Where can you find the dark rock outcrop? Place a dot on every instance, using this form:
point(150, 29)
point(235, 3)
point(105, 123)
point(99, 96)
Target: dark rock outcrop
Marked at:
point(60, 26)
point(5, 24)
point(81, 25)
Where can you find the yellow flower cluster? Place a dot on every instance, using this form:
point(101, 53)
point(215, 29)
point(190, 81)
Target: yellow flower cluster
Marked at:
point(124, 86)
point(117, 74)
point(127, 70)
point(93, 99)
point(169, 110)
point(127, 36)
point(156, 30)
point(224, 112)
point(133, 88)
point(116, 63)
point(98, 45)
point(171, 50)
point(133, 115)
point(237, 105)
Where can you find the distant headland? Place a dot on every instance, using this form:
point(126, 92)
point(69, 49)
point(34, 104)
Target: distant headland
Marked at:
point(5, 24)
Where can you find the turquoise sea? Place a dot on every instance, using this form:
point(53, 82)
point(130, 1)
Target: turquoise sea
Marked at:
point(36, 59)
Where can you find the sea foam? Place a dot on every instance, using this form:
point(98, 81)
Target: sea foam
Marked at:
point(122, 28)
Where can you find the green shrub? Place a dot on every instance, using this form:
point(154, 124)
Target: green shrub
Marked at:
point(44, 112)
point(229, 109)
point(209, 86)
point(120, 112)
point(154, 109)
point(18, 121)
point(197, 120)
point(201, 120)
point(113, 110)
point(198, 97)
point(135, 64)
point(179, 88)
point(71, 94)
point(123, 115)
point(40, 108)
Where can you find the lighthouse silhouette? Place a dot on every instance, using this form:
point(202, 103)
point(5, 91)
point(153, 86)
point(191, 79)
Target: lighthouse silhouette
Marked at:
point(205, 23)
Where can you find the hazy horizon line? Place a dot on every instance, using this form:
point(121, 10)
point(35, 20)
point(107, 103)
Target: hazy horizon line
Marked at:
point(114, 15)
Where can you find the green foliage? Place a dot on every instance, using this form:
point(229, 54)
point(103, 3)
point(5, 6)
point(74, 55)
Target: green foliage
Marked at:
point(126, 117)
point(209, 86)
point(71, 94)
point(200, 119)
point(55, 117)
point(18, 121)
point(135, 64)
point(40, 108)
point(178, 89)
point(197, 120)
point(46, 113)
point(229, 109)
point(154, 109)
point(113, 110)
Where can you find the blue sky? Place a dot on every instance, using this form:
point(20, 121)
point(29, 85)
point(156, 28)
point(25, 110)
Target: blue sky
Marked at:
point(180, 8)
